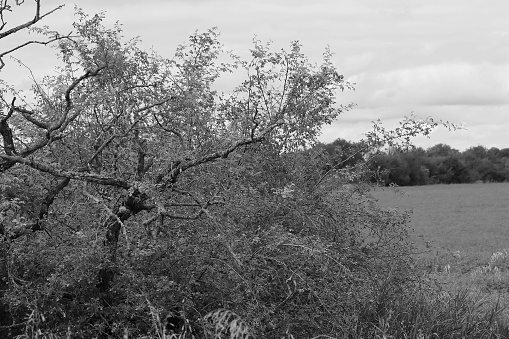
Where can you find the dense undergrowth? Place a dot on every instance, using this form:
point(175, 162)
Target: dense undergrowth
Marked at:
point(302, 261)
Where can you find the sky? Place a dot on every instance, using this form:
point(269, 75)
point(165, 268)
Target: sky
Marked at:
point(447, 59)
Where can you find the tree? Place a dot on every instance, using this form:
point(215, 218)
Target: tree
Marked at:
point(133, 192)
point(446, 165)
point(485, 165)
point(408, 168)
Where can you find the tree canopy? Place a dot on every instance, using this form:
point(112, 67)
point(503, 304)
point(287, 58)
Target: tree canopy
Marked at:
point(441, 164)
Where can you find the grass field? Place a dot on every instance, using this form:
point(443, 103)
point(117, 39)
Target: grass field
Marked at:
point(461, 232)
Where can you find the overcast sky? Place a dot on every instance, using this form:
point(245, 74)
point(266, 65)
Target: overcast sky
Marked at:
point(448, 59)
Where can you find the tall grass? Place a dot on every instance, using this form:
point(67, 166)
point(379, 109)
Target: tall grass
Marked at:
point(427, 312)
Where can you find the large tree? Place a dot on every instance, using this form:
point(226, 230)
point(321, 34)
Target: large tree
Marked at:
point(131, 187)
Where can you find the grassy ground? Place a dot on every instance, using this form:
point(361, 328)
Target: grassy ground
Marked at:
point(470, 220)
point(461, 233)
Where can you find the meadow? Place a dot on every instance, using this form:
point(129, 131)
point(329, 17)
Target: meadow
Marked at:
point(461, 232)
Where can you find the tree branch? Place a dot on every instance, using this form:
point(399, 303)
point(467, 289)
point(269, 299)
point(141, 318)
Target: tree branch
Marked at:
point(89, 177)
point(6, 132)
point(29, 116)
point(182, 166)
point(68, 100)
point(27, 24)
point(6, 164)
point(169, 130)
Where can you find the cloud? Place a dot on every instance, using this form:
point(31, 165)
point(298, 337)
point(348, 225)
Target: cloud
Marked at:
point(446, 84)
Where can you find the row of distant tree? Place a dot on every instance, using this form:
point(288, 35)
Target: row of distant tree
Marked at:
point(439, 164)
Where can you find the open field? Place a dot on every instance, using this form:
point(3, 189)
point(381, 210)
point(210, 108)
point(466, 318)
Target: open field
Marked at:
point(461, 231)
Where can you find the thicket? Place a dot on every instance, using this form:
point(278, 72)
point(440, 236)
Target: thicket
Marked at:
point(138, 202)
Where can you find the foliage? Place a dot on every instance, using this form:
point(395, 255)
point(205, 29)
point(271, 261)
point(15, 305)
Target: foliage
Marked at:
point(442, 164)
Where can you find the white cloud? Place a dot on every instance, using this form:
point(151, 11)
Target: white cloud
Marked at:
point(435, 85)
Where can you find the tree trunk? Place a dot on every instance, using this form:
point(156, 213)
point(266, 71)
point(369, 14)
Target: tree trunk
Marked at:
point(133, 204)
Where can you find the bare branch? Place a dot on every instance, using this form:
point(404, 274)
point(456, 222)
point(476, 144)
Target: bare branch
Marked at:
point(27, 24)
point(31, 42)
point(20, 27)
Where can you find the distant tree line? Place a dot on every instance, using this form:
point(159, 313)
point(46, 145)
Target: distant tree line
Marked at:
point(440, 164)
